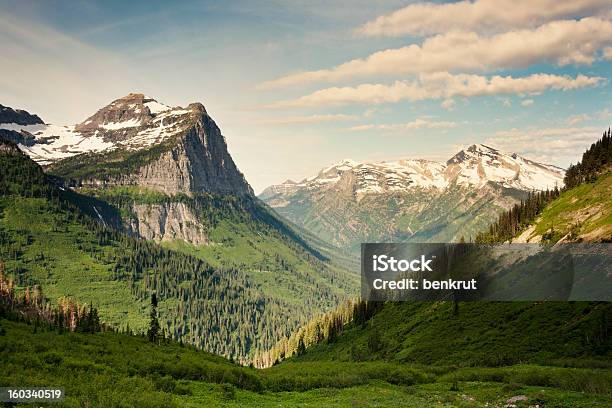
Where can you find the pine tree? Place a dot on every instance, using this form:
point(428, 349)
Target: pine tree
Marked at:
point(153, 332)
point(301, 349)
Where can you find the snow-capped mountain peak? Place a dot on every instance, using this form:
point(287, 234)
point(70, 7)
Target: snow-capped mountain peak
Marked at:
point(479, 164)
point(130, 111)
point(133, 122)
point(472, 167)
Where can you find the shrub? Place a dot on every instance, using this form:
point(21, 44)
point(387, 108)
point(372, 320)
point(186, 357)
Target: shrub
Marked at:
point(228, 391)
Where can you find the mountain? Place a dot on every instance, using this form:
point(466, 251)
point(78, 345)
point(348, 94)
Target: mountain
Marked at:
point(351, 202)
point(137, 141)
point(141, 197)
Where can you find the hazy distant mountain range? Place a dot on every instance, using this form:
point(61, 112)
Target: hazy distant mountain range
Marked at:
point(420, 200)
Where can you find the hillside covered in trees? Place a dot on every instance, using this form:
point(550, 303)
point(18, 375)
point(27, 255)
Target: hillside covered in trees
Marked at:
point(49, 236)
point(595, 160)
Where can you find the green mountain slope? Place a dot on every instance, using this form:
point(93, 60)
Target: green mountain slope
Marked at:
point(481, 334)
point(582, 213)
point(257, 284)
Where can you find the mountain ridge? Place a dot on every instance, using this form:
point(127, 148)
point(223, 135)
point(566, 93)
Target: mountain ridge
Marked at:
point(351, 202)
point(423, 173)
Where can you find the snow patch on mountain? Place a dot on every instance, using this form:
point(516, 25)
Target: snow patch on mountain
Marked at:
point(54, 142)
point(480, 164)
point(473, 167)
point(134, 122)
point(121, 125)
point(156, 107)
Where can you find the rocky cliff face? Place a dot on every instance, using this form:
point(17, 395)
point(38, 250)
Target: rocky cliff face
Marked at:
point(195, 160)
point(166, 222)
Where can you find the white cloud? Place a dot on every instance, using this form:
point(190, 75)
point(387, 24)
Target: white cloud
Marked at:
point(559, 146)
point(576, 119)
point(307, 119)
point(506, 102)
point(440, 85)
point(448, 104)
point(527, 102)
point(419, 123)
point(480, 15)
point(607, 53)
point(559, 42)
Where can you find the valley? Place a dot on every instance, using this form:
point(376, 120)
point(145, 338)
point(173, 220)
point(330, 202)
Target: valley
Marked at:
point(172, 215)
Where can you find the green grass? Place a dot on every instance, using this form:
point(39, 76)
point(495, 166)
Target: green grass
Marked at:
point(581, 211)
point(481, 334)
point(110, 369)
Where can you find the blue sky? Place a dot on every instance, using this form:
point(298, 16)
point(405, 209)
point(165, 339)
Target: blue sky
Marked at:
point(530, 77)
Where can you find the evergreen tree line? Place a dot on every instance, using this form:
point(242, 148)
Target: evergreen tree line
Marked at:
point(510, 223)
point(597, 158)
point(326, 327)
point(514, 220)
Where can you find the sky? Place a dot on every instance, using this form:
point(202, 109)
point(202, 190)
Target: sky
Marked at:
point(298, 85)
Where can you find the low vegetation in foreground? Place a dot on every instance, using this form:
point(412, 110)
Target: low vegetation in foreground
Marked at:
point(113, 369)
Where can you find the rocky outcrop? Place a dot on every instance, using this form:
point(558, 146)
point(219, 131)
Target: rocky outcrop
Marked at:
point(15, 118)
point(18, 116)
point(166, 222)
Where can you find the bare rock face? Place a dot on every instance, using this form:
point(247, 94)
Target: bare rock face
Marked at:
point(166, 222)
point(18, 116)
point(198, 162)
